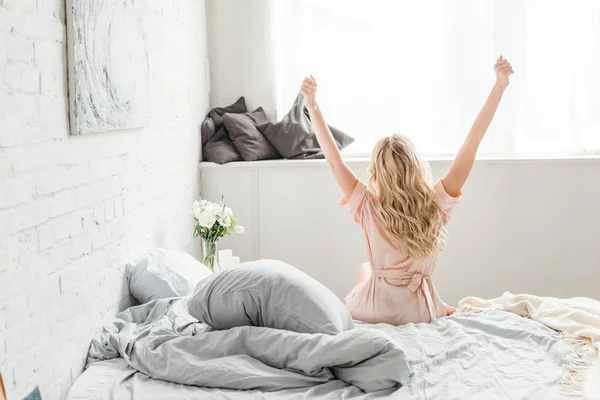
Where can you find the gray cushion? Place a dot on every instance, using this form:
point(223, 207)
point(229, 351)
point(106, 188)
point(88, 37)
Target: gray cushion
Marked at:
point(271, 294)
point(207, 130)
point(220, 149)
point(217, 113)
point(252, 145)
point(294, 137)
point(217, 147)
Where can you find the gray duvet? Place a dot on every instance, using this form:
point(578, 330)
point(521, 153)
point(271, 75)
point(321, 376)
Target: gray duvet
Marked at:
point(165, 353)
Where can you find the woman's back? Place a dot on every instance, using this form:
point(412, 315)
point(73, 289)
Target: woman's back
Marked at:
point(399, 289)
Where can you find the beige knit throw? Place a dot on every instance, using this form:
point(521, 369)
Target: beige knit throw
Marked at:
point(577, 319)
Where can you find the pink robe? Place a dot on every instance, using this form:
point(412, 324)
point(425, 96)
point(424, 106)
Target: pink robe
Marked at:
point(400, 289)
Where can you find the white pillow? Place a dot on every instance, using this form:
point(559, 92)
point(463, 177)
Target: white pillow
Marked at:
point(163, 273)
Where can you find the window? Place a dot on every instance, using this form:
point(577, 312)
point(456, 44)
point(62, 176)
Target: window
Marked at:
point(425, 68)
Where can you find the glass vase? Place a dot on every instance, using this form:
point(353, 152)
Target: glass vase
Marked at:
point(210, 254)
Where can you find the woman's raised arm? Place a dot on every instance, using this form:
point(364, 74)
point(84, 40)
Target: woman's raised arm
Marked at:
point(463, 163)
point(344, 177)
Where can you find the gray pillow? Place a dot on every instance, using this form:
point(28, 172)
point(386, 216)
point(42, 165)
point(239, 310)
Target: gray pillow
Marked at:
point(271, 294)
point(220, 149)
point(247, 139)
point(294, 137)
point(217, 147)
point(162, 273)
point(216, 114)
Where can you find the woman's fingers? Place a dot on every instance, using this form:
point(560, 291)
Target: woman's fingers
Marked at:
point(502, 63)
point(503, 66)
point(310, 82)
point(309, 86)
point(306, 90)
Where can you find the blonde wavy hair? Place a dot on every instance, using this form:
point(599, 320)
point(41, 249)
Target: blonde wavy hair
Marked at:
point(401, 182)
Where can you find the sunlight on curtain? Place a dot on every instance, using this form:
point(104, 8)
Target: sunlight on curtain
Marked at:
point(424, 68)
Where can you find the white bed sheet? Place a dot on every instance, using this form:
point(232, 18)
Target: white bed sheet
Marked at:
point(102, 377)
point(97, 379)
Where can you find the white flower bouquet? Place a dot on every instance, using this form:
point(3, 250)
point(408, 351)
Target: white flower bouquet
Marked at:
point(213, 221)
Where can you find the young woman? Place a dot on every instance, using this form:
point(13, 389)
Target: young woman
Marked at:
point(402, 214)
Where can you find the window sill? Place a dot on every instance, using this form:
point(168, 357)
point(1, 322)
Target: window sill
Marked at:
point(364, 161)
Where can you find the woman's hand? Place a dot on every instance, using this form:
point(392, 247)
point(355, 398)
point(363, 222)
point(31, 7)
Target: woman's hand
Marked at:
point(309, 90)
point(503, 70)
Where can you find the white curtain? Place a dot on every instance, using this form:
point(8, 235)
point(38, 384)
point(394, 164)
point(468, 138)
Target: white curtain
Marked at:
point(424, 68)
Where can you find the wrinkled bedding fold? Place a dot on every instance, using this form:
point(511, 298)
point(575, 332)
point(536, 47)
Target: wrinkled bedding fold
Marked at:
point(247, 357)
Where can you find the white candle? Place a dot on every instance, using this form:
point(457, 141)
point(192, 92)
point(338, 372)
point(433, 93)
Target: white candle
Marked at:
point(230, 262)
point(225, 254)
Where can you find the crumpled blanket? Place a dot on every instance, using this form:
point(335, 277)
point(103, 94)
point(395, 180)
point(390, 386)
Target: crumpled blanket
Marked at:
point(161, 342)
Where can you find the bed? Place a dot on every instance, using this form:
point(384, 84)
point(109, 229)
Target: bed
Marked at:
point(158, 351)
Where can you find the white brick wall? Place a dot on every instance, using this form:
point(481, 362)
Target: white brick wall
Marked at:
point(73, 210)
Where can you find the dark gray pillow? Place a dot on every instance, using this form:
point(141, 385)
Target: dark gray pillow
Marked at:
point(248, 140)
point(294, 137)
point(220, 149)
point(268, 293)
point(239, 107)
point(217, 147)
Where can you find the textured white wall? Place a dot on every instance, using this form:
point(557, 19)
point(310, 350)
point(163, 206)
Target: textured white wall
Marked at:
point(526, 226)
point(73, 210)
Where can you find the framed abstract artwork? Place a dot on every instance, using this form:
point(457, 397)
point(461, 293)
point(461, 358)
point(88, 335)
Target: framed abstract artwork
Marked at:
point(108, 65)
